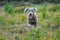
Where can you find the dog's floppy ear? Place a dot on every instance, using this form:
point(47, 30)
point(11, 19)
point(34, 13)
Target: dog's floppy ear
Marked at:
point(35, 9)
point(26, 9)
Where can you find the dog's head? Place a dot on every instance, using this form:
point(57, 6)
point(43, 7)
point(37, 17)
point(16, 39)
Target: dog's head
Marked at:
point(30, 9)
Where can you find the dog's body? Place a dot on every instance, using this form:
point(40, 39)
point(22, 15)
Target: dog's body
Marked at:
point(32, 17)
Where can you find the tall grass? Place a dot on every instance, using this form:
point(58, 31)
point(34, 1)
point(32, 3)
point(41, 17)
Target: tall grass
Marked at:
point(48, 20)
point(9, 9)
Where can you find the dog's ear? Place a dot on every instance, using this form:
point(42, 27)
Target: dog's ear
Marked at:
point(35, 9)
point(26, 9)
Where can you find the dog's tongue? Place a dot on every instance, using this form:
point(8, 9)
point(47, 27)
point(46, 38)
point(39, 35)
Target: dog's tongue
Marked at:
point(30, 17)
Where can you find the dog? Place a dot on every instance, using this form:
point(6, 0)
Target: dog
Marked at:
point(32, 18)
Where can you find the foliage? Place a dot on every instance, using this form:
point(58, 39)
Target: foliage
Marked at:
point(58, 34)
point(9, 8)
point(55, 8)
point(42, 1)
point(36, 34)
point(1, 39)
point(48, 20)
point(19, 9)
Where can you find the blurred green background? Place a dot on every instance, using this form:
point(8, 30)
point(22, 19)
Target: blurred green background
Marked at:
point(13, 20)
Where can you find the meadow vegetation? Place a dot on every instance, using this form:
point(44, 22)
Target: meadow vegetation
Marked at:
point(13, 23)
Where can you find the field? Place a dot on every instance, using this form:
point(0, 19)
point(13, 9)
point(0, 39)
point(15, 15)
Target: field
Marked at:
point(13, 23)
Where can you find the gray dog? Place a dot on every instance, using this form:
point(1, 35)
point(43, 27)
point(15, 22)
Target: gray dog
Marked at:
point(32, 18)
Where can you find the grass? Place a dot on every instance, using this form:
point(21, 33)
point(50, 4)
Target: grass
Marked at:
point(14, 26)
point(9, 8)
